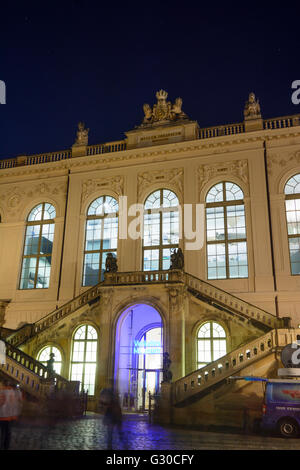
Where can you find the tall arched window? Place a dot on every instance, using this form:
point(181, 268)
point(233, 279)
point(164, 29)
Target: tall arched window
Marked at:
point(37, 254)
point(44, 356)
point(84, 357)
point(226, 232)
point(101, 237)
point(292, 206)
point(211, 343)
point(161, 229)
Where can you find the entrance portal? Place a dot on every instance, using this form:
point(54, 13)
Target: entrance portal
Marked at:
point(138, 356)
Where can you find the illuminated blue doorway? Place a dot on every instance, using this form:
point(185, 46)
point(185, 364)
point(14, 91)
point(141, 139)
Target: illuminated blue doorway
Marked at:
point(138, 356)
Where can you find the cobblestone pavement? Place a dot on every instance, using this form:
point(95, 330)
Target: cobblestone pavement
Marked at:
point(89, 432)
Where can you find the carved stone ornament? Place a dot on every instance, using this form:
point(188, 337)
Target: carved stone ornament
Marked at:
point(163, 111)
point(148, 178)
point(82, 135)
point(252, 108)
point(277, 162)
point(237, 168)
point(14, 196)
point(115, 183)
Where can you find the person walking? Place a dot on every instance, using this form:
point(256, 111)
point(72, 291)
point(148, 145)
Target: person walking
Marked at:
point(10, 409)
point(109, 402)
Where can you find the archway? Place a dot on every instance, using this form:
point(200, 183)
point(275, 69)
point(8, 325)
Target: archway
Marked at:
point(138, 356)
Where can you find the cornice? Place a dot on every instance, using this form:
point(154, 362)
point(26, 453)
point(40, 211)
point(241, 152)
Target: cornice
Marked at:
point(214, 145)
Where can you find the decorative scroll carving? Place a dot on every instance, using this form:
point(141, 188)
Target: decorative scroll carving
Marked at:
point(237, 168)
point(116, 183)
point(13, 196)
point(148, 178)
point(278, 161)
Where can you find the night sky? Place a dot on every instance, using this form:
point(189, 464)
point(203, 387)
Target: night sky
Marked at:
point(82, 61)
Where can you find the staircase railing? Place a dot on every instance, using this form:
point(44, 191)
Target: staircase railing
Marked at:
point(211, 293)
point(30, 330)
point(32, 375)
point(233, 303)
point(201, 379)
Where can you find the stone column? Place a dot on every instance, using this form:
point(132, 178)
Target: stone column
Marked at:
point(3, 305)
point(176, 350)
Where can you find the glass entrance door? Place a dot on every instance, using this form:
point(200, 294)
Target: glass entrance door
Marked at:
point(149, 370)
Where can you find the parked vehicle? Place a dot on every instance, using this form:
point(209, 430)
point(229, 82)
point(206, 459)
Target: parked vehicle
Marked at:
point(281, 405)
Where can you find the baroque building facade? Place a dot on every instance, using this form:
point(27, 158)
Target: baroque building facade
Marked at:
point(230, 305)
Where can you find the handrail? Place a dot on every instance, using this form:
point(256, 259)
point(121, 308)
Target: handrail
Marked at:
point(230, 301)
point(217, 295)
point(30, 373)
point(200, 380)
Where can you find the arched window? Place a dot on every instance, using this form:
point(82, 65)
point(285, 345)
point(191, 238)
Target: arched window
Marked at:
point(37, 254)
point(101, 237)
point(161, 229)
point(44, 356)
point(84, 357)
point(292, 206)
point(226, 232)
point(211, 343)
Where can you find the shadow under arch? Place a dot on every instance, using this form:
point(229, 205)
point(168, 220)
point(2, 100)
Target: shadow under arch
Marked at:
point(138, 359)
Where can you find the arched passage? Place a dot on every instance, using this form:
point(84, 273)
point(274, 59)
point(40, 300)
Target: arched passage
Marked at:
point(138, 355)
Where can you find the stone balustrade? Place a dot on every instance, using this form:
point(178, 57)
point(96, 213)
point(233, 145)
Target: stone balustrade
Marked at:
point(109, 147)
point(231, 363)
point(233, 303)
point(29, 373)
point(282, 122)
point(121, 145)
point(218, 131)
point(212, 293)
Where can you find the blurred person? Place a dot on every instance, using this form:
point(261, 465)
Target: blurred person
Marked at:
point(109, 403)
point(10, 409)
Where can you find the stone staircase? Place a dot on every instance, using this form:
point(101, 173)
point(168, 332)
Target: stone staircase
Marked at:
point(202, 290)
point(200, 382)
point(32, 376)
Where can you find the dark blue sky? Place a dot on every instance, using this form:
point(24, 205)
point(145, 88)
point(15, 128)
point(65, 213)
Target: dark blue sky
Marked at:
point(80, 60)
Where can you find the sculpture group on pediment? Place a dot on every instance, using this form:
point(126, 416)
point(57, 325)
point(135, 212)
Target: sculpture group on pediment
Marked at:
point(163, 110)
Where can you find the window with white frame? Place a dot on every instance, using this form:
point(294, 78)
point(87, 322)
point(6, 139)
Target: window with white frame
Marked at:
point(161, 229)
point(84, 357)
point(101, 238)
point(44, 356)
point(226, 232)
point(37, 253)
point(292, 208)
point(211, 343)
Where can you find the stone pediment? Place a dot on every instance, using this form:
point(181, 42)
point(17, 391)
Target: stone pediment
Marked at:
point(163, 123)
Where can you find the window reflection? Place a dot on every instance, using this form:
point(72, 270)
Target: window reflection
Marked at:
point(292, 206)
point(84, 358)
point(211, 343)
point(101, 237)
point(226, 232)
point(161, 229)
point(36, 264)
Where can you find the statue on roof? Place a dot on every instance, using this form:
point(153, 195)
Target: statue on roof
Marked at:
point(252, 108)
point(163, 110)
point(82, 135)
